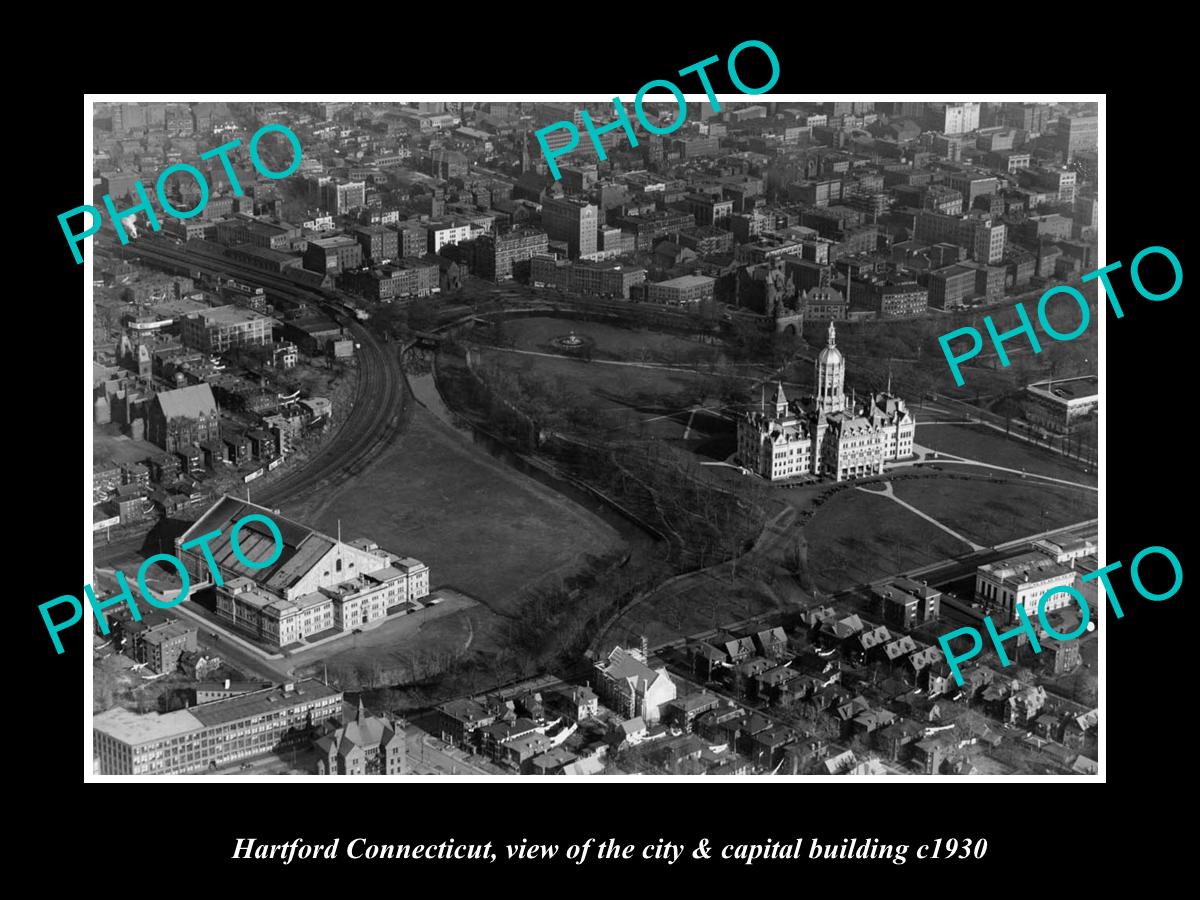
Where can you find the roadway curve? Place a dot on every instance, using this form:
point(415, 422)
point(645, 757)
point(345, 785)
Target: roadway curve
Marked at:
point(382, 401)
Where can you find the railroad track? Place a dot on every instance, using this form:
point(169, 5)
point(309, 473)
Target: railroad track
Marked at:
point(382, 399)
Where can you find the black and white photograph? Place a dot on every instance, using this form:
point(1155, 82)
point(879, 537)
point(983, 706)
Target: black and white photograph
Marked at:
point(673, 437)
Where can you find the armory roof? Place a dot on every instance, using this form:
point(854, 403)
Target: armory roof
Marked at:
point(302, 547)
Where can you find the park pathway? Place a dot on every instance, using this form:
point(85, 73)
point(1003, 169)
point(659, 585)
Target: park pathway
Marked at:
point(891, 495)
point(944, 458)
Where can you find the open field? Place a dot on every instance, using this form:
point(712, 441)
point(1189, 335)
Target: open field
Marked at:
point(992, 511)
point(479, 525)
point(979, 442)
point(856, 537)
point(611, 341)
point(634, 402)
point(109, 443)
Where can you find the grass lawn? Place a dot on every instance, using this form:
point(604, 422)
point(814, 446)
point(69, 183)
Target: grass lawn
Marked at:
point(611, 342)
point(992, 511)
point(109, 443)
point(480, 526)
point(979, 442)
point(631, 401)
point(856, 537)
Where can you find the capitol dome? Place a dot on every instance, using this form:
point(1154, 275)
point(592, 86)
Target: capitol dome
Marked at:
point(830, 354)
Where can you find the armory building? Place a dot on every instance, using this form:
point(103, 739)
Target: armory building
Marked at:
point(318, 583)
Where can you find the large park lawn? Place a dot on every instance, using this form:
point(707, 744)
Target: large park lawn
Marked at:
point(993, 511)
point(480, 526)
point(985, 444)
point(856, 537)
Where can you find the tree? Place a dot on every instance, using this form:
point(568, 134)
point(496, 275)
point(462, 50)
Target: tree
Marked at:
point(421, 314)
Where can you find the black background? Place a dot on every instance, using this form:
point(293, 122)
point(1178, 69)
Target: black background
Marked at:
point(1035, 829)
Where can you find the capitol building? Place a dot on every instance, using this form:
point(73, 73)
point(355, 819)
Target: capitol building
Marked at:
point(828, 434)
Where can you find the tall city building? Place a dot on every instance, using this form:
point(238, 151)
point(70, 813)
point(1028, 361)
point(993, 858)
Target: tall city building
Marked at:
point(959, 118)
point(572, 221)
point(340, 198)
point(1076, 133)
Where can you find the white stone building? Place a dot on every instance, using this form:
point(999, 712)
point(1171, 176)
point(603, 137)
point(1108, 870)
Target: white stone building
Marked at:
point(317, 583)
point(829, 434)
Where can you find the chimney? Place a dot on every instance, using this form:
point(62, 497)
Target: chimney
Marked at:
point(645, 649)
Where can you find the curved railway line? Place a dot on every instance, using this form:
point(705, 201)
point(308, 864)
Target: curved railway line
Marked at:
point(382, 398)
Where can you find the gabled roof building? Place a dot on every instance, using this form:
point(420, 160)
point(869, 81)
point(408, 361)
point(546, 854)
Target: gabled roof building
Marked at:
point(316, 584)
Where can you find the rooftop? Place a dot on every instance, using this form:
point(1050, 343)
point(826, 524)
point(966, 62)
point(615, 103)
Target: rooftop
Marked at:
point(227, 315)
point(130, 728)
point(1086, 387)
point(220, 712)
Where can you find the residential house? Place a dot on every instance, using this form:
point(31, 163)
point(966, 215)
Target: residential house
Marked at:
point(771, 642)
point(458, 720)
point(682, 711)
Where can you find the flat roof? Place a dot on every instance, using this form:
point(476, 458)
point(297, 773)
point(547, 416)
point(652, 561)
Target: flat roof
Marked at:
point(228, 315)
point(685, 281)
point(220, 712)
point(130, 728)
point(1086, 387)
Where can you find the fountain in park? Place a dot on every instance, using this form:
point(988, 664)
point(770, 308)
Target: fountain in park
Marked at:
point(571, 343)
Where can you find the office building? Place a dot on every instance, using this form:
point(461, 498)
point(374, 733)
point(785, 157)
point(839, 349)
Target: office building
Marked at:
point(896, 300)
point(1059, 406)
point(983, 237)
point(342, 197)
point(214, 734)
point(494, 255)
point(1020, 581)
point(959, 118)
point(1078, 133)
point(950, 287)
point(333, 254)
point(681, 291)
point(573, 221)
point(448, 231)
point(218, 329)
point(378, 243)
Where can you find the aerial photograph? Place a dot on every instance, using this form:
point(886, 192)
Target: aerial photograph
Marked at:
point(477, 439)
